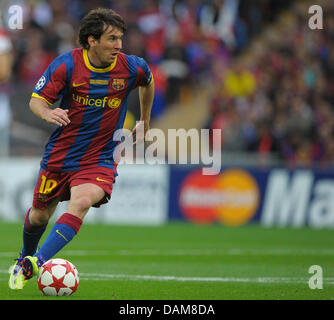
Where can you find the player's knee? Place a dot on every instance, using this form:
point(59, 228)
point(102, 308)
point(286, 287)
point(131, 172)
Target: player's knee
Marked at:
point(81, 203)
point(38, 217)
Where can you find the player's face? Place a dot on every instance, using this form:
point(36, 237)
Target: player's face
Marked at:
point(107, 47)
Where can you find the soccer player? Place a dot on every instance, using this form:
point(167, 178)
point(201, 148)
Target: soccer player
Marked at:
point(93, 83)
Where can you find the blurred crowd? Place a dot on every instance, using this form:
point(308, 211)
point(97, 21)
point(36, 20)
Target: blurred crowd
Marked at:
point(279, 96)
point(273, 97)
point(178, 38)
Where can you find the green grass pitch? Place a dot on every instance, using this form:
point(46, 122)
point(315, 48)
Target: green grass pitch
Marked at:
point(183, 261)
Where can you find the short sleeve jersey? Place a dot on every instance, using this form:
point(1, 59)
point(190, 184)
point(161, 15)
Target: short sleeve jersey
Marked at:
point(97, 102)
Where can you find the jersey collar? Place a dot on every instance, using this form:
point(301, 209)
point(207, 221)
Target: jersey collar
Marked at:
point(92, 68)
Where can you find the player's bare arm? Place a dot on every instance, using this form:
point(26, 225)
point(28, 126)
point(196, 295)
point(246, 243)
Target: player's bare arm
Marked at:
point(43, 111)
point(146, 95)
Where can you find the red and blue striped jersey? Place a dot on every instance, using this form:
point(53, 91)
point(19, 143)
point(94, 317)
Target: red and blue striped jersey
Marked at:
point(97, 102)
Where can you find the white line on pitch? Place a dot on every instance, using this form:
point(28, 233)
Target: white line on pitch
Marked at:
point(106, 277)
point(136, 277)
point(230, 252)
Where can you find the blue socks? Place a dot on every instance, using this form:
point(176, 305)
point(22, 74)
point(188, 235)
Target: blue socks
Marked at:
point(63, 231)
point(31, 236)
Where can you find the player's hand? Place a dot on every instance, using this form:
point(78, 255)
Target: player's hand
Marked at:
point(57, 116)
point(139, 131)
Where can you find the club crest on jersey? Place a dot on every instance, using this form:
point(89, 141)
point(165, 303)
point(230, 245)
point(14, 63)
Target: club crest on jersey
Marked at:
point(118, 84)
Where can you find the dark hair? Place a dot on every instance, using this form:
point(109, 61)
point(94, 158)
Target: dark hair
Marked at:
point(96, 22)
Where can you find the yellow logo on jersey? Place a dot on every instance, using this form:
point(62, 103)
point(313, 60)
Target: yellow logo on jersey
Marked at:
point(91, 102)
point(114, 103)
point(78, 84)
point(99, 81)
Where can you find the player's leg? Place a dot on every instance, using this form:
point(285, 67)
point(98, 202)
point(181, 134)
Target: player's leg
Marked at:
point(48, 191)
point(88, 188)
point(67, 226)
point(35, 224)
point(83, 197)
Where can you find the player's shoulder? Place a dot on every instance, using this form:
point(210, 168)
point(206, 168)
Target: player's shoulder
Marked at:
point(76, 53)
point(133, 61)
point(68, 59)
point(133, 58)
point(69, 55)
point(59, 60)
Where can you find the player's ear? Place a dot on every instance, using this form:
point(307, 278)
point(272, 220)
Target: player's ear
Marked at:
point(91, 41)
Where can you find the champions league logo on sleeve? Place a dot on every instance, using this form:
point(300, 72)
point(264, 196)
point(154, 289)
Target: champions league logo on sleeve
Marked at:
point(40, 84)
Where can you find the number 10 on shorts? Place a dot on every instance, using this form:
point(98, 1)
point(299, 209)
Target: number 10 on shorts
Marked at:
point(47, 185)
